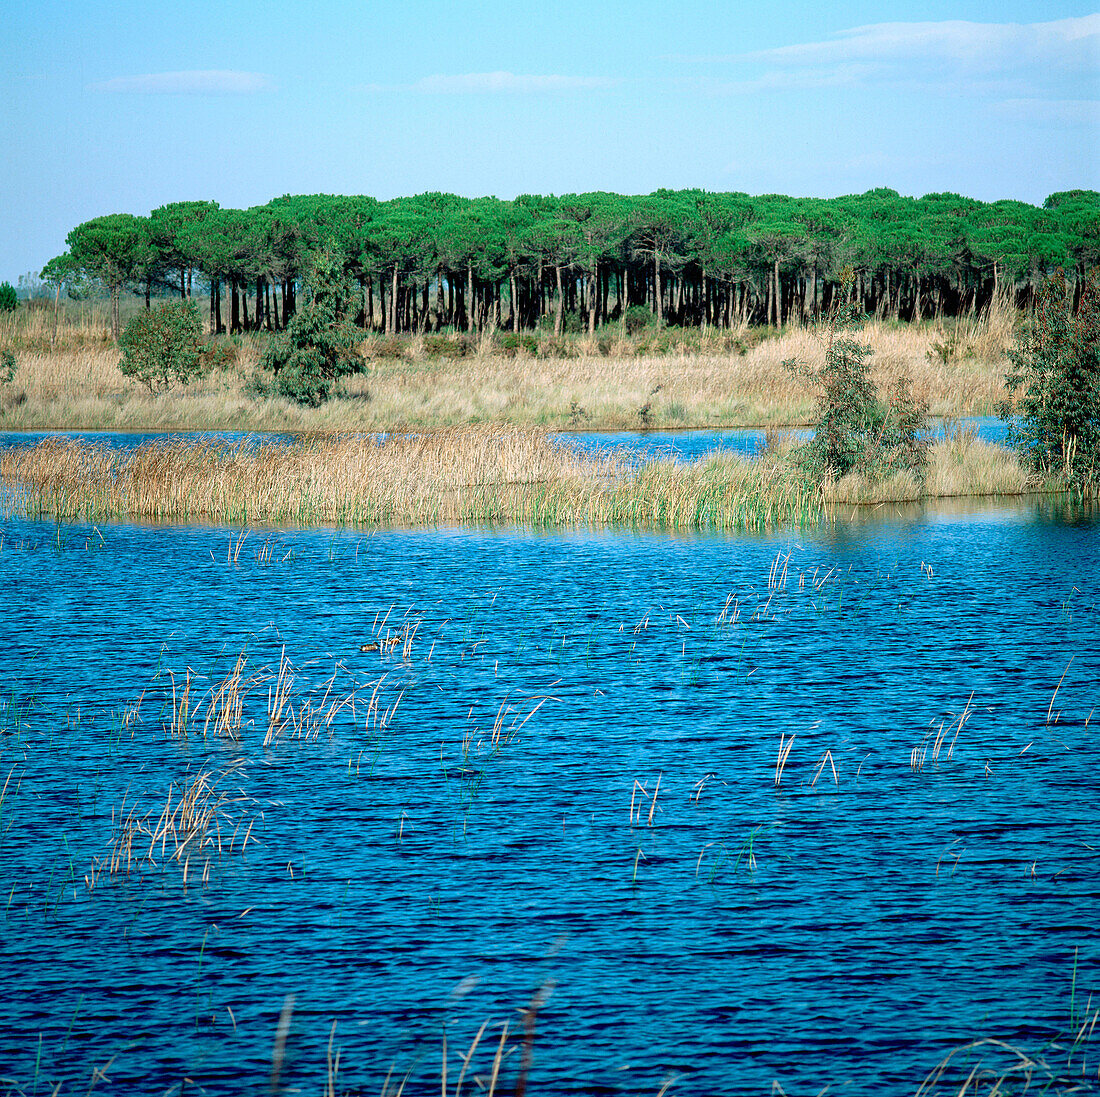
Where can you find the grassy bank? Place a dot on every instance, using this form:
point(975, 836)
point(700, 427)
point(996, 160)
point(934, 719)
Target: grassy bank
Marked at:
point(68, 377)
point(462, 476)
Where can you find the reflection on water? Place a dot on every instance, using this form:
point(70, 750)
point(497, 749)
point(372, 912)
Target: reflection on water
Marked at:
point(571, 778)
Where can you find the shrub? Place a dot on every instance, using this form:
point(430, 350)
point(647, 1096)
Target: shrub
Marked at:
point(572, 323)
point(318, 346)
point(637, 318)
point(446, 346)
point(511, 343)
point(852, 429)
point(1053, 405)
point(9, 299)
point(8, 366)
point(164, 345)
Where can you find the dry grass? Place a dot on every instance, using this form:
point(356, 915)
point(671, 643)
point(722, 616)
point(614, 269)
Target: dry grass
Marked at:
point(453, 476)
point(963, 465)
point(959, 465)
point(70, 379)
point(464, 475)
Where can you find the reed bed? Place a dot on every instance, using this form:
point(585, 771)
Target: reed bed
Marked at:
point(455, 476)
point(464, 475)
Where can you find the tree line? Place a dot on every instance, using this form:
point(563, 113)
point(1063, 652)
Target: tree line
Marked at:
point(691, 257)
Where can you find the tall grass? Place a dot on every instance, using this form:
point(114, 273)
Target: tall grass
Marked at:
point(68, 377)
point(461, 476)
point(456, 476)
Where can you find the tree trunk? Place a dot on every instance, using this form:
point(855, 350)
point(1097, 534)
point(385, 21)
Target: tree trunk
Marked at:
point(658, 301)
point(218, 307)
point(391, 326)
point(778, 297)
point(540, 296)
point(514, 303)
point(213, 298)
point(560, 302)
point(470, 318)
point(234, 308)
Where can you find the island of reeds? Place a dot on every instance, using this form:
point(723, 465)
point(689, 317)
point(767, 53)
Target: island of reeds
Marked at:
point(465, 475)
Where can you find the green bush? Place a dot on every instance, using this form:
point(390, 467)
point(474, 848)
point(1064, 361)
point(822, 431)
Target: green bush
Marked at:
point(510, 343)
point(637, 318)
point(9, 299)
point(8, 366)
point(319, 345)
point(446, 346)
point(163, 345)
point(572, 323)
point(852, 430)
point(1053, 405)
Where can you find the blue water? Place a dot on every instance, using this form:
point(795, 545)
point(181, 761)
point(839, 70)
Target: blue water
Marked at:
point(680, 445)
point(689, 445)
point(11, 439)
point(405, 874)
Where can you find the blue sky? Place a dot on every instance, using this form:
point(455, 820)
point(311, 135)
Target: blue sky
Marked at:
point(122, 107)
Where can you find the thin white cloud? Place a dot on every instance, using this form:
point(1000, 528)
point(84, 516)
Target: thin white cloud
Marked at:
point(1059, 58)
point(1064, 112)
point(495, 83)
point(198, 82)
point(1064, 42)
point(832, 76)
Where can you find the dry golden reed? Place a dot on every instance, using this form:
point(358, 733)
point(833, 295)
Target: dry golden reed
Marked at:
point(445, 477)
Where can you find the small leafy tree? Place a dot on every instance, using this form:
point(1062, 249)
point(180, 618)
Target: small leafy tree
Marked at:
point(853, 430)
point(9, 299)
point(164, 345)
point(1053, 405)
point(318, 347)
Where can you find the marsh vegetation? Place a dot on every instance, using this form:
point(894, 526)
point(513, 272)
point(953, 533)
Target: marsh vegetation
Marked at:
point(69, 378)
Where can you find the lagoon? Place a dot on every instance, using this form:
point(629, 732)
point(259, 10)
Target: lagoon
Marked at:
point(563, 787)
